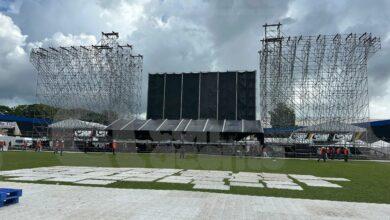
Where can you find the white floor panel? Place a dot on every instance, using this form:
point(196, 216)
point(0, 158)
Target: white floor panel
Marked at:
point(47, 202)
point(95, 182)
point(140, 179)
point(245, 184)
point(335, 179)
point(320, 183)
point(65, 179)
point(289, 187)
point(247, 179)
point(212, 186)
point(27, 178)
point(200, 177)
point(277, 182)
point(175, 179)
point(304, 177)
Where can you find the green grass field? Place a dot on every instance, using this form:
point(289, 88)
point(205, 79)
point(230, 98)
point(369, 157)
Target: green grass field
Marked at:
point(370, 181)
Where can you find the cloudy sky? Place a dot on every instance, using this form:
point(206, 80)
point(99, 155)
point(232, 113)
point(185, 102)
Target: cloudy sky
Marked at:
point(177, 36)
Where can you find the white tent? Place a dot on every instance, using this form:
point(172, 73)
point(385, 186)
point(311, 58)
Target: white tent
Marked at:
point(10, 125)
point(332, 127)
point(76, 124)
point(380, 144)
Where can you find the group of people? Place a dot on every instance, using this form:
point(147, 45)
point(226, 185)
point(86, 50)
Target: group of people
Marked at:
point(3, 144)
point(325, 153)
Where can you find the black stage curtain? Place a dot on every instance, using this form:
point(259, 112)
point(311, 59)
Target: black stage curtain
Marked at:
point(172, 96)
point(155, 96)
point(227, 96)
point(208, 95)
point(246, 96)
point(190, 95)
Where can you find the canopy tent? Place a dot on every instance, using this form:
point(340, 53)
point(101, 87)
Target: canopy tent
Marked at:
point(380, 144)
point(75, 124)
point(188, 129)
point(332, 127)
point(13, 126)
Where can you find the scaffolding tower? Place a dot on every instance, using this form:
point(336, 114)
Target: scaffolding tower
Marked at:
point(314, 80)
point(97, 83)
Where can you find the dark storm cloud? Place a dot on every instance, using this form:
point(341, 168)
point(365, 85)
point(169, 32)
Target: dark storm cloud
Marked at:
point(181, 36)
point(40, 19)
point(346, 17)
point(231, 18)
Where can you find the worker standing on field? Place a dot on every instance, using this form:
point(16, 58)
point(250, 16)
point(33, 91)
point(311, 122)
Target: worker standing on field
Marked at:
point(39, 146)
point(338, 153)
point(114, 146)
point(24, 145)
point(346, 154)
point(56, 146)
point(322, 154)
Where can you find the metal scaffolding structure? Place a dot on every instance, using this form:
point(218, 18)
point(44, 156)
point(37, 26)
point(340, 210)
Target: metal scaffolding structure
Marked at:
point(314, 80)
point(103, 80)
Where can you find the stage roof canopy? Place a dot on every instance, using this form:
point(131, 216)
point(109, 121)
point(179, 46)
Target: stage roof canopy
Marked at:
point(187, 125)
point(77, 125)
point(332, 127)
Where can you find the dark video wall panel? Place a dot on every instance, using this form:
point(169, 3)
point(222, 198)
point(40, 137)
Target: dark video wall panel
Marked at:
point(190, 95)
point(155, 96)
point(208, 97)
point(172, 96)
point(227, 96)
point(224, 95)
point(246, 96)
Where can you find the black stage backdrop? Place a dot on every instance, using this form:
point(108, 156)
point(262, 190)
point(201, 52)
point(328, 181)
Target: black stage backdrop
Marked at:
point(155, 96)
point(246, 96)
point(172, 96)
point(208, 95)
point(229, 89)
point(190, 95)
point(227, 96)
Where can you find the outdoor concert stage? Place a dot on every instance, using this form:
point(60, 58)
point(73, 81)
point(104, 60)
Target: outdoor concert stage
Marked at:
point(185, 131)
point(196, 109)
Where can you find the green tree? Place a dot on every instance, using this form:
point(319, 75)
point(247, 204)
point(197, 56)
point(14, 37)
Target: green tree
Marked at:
point(35, 110)
point(57, 114)
point(5, 109)
point(282, 116)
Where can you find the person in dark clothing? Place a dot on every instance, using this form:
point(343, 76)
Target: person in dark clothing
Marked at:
point(338, 153)
point(114, 146)
point(346, 154)
point(331, 153)
point(61, 147)
point(182, 152)
point(322, 154)
point(56, 146)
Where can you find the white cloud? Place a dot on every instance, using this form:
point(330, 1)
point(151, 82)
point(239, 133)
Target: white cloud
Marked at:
point(60, 39)
point(13, 62)
point(17, 76)
point(180, 36)
point(11, 39)
point(380, 105)
point(124, 16)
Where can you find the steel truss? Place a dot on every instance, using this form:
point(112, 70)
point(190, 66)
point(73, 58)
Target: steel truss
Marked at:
point(322, 79)
point(103, 79)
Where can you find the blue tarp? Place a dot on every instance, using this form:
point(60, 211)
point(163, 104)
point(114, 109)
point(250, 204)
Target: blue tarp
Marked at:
point(22, 119)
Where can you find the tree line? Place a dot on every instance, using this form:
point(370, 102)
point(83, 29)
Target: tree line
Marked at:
point(57, 114)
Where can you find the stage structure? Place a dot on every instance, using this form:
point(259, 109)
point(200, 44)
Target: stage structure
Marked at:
point(227, 95)
point(97, 83)
point(314, 80)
